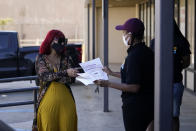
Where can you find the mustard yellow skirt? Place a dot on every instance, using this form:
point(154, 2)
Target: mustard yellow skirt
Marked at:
point(57, 110)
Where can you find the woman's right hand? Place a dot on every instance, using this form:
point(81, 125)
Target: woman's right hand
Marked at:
point(102, 83)
point(107, 70)
point(72, 72)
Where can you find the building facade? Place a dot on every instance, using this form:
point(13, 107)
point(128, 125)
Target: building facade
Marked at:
point(34, 18)
point(184, 15)
point(121, 10)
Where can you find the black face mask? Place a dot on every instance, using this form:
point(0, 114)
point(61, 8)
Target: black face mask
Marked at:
point(58, 47)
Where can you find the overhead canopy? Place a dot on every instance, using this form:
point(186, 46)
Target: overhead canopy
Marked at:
point(116, 3)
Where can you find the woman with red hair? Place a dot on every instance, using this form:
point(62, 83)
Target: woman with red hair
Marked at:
point(56, 109)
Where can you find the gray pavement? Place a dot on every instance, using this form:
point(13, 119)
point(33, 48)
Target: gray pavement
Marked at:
point(89, 108)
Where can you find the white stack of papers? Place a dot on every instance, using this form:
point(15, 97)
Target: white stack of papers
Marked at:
point(93, 71)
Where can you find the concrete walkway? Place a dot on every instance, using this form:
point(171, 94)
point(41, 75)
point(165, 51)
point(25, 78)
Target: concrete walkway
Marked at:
point(89, 108)
point(188, 112)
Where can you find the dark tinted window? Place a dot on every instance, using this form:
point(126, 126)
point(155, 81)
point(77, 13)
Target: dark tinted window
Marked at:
point(3, 41)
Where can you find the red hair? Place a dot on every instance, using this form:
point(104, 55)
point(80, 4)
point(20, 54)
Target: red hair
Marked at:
point(45, 46)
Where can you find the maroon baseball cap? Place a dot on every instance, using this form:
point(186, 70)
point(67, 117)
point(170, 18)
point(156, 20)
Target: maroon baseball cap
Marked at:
point(133, 25)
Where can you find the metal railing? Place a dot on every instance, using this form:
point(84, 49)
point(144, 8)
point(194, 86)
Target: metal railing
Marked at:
point(34, 89)
point(18, 79)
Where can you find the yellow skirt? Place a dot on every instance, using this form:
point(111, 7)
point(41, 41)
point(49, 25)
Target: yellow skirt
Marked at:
point(57, 110)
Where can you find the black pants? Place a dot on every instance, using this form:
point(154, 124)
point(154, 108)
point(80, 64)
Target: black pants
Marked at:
point(137, 116)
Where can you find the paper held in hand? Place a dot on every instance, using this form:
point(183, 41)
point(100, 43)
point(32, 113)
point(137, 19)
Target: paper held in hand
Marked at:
point(93, 71)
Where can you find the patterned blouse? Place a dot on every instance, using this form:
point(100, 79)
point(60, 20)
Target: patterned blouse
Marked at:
point(47, 73)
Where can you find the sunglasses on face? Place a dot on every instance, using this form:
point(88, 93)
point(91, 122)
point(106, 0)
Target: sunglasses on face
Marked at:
point(62, 41)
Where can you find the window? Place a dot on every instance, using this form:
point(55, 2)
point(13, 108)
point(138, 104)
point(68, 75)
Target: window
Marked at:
point(176, 11)
point(142, 12)
point(152, 20)
point(190, 27)
point(4, 41)
point(145, 22)
point(182, 17)
point(148, 23)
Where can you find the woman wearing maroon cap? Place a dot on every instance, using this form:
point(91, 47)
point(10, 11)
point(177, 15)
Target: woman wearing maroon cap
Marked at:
point(56, 109)
point(137, 78)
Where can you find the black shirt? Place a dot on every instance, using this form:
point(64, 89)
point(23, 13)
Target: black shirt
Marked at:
point(180, 49)
point(138, 69)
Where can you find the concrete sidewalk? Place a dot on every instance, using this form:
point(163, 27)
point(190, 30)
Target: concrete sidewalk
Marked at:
point(89, 109)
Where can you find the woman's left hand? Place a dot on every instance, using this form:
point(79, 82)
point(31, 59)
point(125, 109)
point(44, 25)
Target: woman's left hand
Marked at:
point(72, 72)
point(102, 83)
